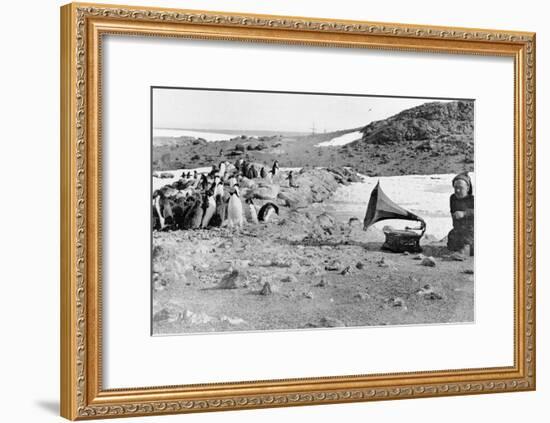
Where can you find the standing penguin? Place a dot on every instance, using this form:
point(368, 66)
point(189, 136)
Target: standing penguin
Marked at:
point(252, 213)
point(158, 218)
point(263, 173)
point(290, 178)
point(235, 209)
point(222, 168)
point(238, 164)
point(251, 172)
point(194, 218)
point(244, 168)
point(184, 215)
point(275, 168)
point(219, 216)
point(209, 207)
point(163, 207)
point(204, 182)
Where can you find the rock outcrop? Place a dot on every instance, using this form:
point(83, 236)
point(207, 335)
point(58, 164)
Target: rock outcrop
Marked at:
point(449, 122)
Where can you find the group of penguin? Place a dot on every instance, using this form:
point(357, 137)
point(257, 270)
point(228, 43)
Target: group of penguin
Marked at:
point(201, 201)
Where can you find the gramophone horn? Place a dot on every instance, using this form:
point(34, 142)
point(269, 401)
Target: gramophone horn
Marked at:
point(381, 208)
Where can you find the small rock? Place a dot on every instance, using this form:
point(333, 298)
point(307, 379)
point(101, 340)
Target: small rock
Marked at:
point(397, 302)
point(354, 222)
point(456, 257)
point(428, 261)
point(281, 263)
point(221, 267)
point(229, 281)
point(232, 320)
point(383, 262)
point(262, 263)
point(434, 296)
point(425, 290)
point(419, 257)
point(166, 315)
point(159, 284)
point(313, 272)
point(308, 295)
point(289, 279)
point(196, 318)
point(359, 265)
point(346, 271)
point(240, 264)
point(326, 221)
point(323, 283)
point(361, 296)
point(468, 271)
point(266, 289)
point(330, 322)
point(333, 266)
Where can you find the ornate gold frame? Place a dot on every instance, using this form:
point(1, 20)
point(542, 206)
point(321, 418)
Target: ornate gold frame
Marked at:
point(82, 27)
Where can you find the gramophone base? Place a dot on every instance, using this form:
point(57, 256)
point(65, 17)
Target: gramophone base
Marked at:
point(400, 241)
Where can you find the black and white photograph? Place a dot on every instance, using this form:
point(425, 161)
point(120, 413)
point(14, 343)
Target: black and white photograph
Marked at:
point(303, 211)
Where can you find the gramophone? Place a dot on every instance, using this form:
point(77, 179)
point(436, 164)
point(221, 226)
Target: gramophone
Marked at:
point(397, 240)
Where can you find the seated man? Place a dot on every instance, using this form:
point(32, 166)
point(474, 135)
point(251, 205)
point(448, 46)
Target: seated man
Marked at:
point(461, 237)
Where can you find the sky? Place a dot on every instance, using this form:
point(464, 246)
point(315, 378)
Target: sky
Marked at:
point(268, 111)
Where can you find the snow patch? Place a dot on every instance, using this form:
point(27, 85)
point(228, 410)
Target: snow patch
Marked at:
point(208, 136)
point(342, 139)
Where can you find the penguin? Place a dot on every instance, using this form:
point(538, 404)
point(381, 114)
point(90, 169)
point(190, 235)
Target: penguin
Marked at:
point(235, 209)
point(195, 174)
point(275, 168)
point(219, 190)
point(209, 207)
point(204, 182)
point(218, 219)
point(158, 218)
point(290, 178)
point(178, 210)
point(252, 211)
point(232, 181)
point(263, 173)
point(238, 164)
point(222, 168)
point(184, 220)
point(193, 218)
point(248, 173)
point(229, 169)
point(266, 212)
point(163, 210)
point(244, 168)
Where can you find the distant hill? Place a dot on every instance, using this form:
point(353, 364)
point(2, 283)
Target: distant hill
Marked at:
point(433, 138)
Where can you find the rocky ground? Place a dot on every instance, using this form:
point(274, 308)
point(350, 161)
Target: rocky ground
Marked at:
point(302, 270)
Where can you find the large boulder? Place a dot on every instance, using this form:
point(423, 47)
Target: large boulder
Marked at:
point(265, 191)
point(292, 198)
